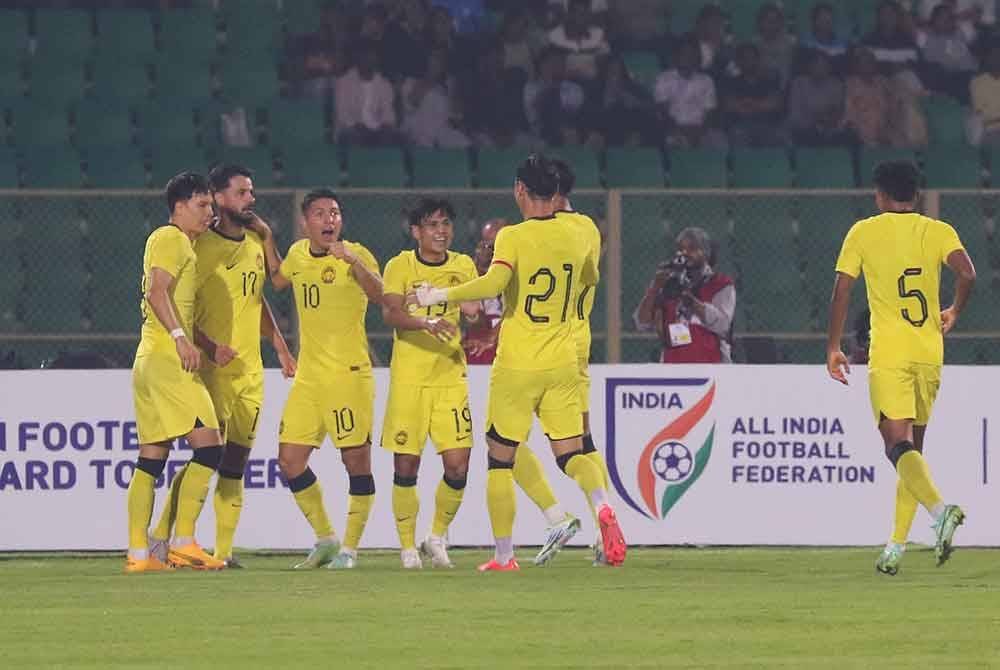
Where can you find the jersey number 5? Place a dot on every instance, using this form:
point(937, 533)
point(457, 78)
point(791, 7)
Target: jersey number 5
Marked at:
point(913, 293)
point(533, 298)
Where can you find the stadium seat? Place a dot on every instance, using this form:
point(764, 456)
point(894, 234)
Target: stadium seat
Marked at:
point(168, 159)
point(115, 166)
point(953, 166)
point(743, 17)
point(258, 159)
point(634, 168)
point(496, 167)
point(584, 163)
point(124, 81)
point(53, 167)
point(118, 230)
point(13, 85)
point(295, 122)
point(310, 165)
point(56, 84)
point(824, 168)
point(440, 168)
point(823, 222)
point(683, 15)
point(302, 17)
point(872, 157)
point(373, 168)
point(188, 39)
point(256, 22)
point(101, 124)
point(127, 34)
point(945, 120)
point(697, 168)
point(53, 300)
point(176, 84)
point(761, 168)
point(251, 87)
point(68, 33)
point(8, 169)
point(165, 123)
point(13, 35)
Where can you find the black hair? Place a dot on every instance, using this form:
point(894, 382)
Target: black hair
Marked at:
point(566, 177)
point(821, 7)
point(539, 176)
point(220, 175)
point(319, 194)
point(183, 186)
point(427, 206)
point(938, 10)
point(898, 179)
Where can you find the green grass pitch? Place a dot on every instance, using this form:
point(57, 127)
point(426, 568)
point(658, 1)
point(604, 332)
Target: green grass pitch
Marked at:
point(667, 608)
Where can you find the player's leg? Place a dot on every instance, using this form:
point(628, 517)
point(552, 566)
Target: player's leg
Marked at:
point(141, 495)
point(206, 443)
point(530, 476)
point(159, 537)
point(905, 511)
point(404, 432)
point(361, 497)
point(589, 448)
point(406, 506)
point(590, 451)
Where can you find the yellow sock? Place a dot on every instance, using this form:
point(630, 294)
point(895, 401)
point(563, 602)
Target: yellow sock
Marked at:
point(140, 508)
point(169, 514)
point(228, 506)
point(530, 476)
point(913, 470)
point(598, 460)
point(906, 509)
point(589, 478)
point(405, 505)
point(191, 496)
point(358, 509)
point(310, 501)
point(447, 500)
point(501, 501)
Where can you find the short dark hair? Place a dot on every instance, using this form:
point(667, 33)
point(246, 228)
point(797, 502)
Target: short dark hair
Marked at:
point(539, 176)
point(220, 175)
point(427, 206)
point(319, 194)
point(566, 177)
point(899, 180)
point(183, 186)
point(938, 10)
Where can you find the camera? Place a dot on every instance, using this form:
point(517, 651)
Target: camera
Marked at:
point(678, 277)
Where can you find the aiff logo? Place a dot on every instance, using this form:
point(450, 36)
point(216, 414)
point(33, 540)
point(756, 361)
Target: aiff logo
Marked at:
point(672, 412)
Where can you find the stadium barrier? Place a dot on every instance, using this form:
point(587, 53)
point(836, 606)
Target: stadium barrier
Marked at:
point(762, 455)
point(72, 262)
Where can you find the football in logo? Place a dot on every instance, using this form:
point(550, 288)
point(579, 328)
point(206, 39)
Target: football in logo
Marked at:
point(328, 275)
point(672, 461)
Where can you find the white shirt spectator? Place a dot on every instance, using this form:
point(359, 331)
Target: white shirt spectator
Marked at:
point(582, 52)
point(688, 100)
point(366, 103)
point(596, 6)
point(426, 121)
point(987, 7)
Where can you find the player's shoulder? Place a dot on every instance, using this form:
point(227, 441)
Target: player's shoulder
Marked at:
point(170, 236)
point(299, 248)
point(461, 263)
point(400, 261)
point(359, 249)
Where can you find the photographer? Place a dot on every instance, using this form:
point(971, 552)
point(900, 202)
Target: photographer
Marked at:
point(689, 304)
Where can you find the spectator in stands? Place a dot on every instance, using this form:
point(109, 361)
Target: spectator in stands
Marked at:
point(366, 103)
point(553, 103)
point(972, 15)
point(816, 104)
point(948, 61)
point(685, 99)
point(558, 9)
point(492, 100)
point(640, 23)
point(479, 338)
point(689, 304)
point(753, 102)
point(406, 49)
point(626, 114)
point(320, 57)
point(441, 33)
point(984, 125)
point(374, 21)
point(518, 51)
point(824, 35)
point(584, 41)
point(869, 100)
point(892, 41)
point(429, 118)
point(710, 29)
point(467, 16)
point(776, 44)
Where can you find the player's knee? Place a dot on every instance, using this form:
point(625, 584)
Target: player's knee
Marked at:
point(896, 451)
point(150, 466)
point(210, 457)
point(493, 435)
point(563, 460)
point(456, 483)
point(361, 485)
point(234, 458)
point(403, 480)
point(497, 464)
point(302, 482)
point(458, 472)
point(588, 444)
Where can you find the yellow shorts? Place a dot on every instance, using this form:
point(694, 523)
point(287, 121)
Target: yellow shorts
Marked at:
point(517, 395)
point(904, 393)
point(169, 402)
point(584, 364)
point(413, 413)
point(237, 401)
point(343, 408)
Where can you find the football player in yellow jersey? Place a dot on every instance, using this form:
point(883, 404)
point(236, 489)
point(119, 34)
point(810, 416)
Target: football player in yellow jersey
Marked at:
point(334, 389)
point(541, 266)
point(231, 315)
point(901, 253)
point(170, 398)
point(428, 392)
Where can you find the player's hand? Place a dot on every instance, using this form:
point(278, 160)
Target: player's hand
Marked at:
point(427, 295)
point(837, 366)
point(289, 366)
point(948, 318)
point(189, 354)
point(476, 347)
point(339, 251)
point(224, 355)
point(410, 301)
point(441, 329)
point(258, 226)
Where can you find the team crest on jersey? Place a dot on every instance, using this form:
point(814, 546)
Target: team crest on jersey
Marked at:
point(401, 437)
point(454, 281)
point(260, 261)
point(329, 274)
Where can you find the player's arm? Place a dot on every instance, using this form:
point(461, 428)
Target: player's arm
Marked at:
point(370, 281)
point(220, 354)
point(271, 256)
point(394, 314)
point(965, 278)
point(159, 300)
point(489, 285)
point(836, 361)
point(270, 330)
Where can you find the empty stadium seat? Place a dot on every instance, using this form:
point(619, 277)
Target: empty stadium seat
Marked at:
point(64, 32)
point(254, 22)
point(163, 123)
point(310, 165)
point(53, 167)
point(127, 34)
point(57, 84)
point(188, 39)
point(634, 167)
point(8, 168)
point(824, 168)
point(440, 168)
point(295, 122)
point(177, 84)
point(697, 168)
point(250, 86)
point(124, 81)
point(584, 163)
point(13, 35)
point(100, 125)
point(496, 167)
point(953, 166)
point(169, 159)
point(945, 120)
point(371, 168)
point(115, 166)
point(761, 168)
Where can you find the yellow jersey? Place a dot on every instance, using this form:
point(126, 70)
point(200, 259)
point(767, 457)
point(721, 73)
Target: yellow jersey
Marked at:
point(901, 254)
point(169, 249)
point(331, 307)
point(417, 356)
point(229, 296)
point(549, 263)
point(585, 303)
